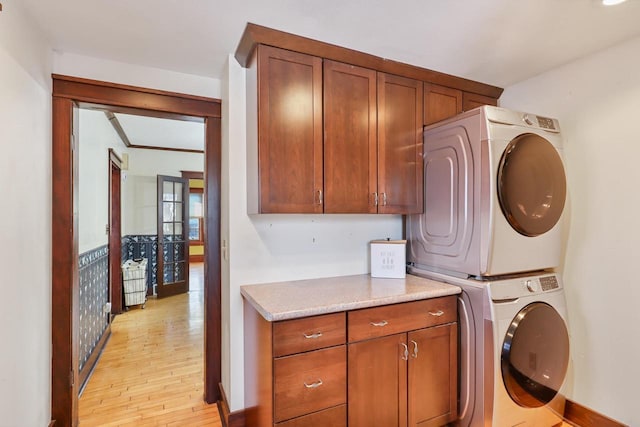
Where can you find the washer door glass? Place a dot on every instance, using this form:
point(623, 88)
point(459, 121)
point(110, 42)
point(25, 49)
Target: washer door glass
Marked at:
point(535, 355)
point(531, 185)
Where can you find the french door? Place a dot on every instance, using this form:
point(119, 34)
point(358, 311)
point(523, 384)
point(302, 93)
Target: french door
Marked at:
point(173, 244)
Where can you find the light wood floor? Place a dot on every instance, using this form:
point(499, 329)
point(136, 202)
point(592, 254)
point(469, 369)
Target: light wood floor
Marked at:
point(151, 371)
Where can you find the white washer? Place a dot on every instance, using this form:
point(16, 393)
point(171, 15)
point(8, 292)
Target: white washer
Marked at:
point(514, 350)
point(494, 194)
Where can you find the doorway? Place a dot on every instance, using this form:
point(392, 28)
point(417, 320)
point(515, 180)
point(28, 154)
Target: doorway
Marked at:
point(68, 94)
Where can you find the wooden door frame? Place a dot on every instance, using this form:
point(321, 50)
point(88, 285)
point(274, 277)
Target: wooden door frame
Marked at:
point(68, 94)
point(115, 234)
point(195, 175)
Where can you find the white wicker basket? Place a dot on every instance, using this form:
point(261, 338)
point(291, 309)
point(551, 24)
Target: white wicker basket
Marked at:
point(134, 281)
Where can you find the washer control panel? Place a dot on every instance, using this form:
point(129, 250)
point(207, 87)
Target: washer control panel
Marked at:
point(549, 283)
point(527, 286)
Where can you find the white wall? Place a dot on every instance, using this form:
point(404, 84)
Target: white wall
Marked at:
point(25, 221)
point(136, 75)
point(139, 185)
point(267, 248)
point(96, 137)
point(597, 100)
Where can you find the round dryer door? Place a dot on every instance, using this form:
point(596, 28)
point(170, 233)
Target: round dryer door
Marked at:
point(531, 185)
point(535, 355)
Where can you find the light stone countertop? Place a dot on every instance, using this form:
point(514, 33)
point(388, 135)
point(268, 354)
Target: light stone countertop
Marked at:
point(301, 298)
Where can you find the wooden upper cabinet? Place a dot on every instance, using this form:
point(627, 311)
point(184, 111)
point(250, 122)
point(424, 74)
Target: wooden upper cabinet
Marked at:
point(440, 103)
point(400, 104)
point(350, 176)
point(288, 88)
point(473, 100)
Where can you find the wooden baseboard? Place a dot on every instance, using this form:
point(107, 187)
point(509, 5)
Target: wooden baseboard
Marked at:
point(229, 419)
point(88, 367)
point(582, 416)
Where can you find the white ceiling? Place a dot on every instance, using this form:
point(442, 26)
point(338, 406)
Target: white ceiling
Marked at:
point(162, 133)
point(499, 42)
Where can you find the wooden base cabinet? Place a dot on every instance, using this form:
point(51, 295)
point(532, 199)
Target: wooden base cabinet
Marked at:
point(433, 376)
point(404, 379)
point(295, 371)
point(378, 382)
point(393, 365)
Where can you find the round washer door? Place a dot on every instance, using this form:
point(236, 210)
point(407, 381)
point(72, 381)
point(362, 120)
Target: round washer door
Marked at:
point(535, 355)
point(531, 185)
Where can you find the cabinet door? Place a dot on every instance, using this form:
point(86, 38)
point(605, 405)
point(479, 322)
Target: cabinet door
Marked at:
point(289, 131)
point(440, 103)
point(377, 381)
point(399, 145)
point(473, 100)
point(433, 378)
point(349, 138)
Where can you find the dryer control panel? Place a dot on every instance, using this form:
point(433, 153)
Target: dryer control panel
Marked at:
point(541, 122)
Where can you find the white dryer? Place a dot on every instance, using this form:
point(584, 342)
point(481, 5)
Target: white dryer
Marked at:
point(514, 350)
point(494, 194)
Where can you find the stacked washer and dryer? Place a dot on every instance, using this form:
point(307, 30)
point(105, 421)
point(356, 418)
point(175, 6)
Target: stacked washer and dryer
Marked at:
point(495, 191)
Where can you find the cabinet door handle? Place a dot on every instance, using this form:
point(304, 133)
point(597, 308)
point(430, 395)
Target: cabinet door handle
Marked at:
point(415, 349)
point(312, 336)
point(384, 199)
point(436, 313)
point(405, 353)
point(375, 199)
point(383, 323)
point(313, 385)
point(319, 197)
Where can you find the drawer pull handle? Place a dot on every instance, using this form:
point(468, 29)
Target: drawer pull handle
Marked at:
point(415, 349)
point(312, 336)
point(405, 353)
point(314, 385)
point(383, 323)
point(437, 313)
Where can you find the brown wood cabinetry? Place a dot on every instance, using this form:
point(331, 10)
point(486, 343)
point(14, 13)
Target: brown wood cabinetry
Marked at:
point(284, 140)
point(433, 376)
point(440, 103)
point(365, 159)
point(399, 367)
point(350, 141)
point(407, 378)
point(371, 139)
point(400, 188)
point(473, 100)
point(295, 370)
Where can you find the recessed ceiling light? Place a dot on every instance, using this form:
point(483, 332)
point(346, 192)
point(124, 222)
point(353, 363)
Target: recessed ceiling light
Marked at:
point(612, 2)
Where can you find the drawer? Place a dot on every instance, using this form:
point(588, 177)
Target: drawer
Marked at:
point(309, 382)
point(332, 417)
point(309, 333)
point(392, 319)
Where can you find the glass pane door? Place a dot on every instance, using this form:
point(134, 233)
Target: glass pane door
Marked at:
point(173, 244)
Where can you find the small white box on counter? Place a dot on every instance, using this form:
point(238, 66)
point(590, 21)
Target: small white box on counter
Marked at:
point(388, 258)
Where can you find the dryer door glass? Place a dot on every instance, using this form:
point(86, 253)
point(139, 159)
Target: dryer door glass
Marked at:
point(535, 355)
point(531, 185)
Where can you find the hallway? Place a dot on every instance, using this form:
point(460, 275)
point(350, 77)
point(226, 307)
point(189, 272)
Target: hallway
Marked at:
point(151, 370)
